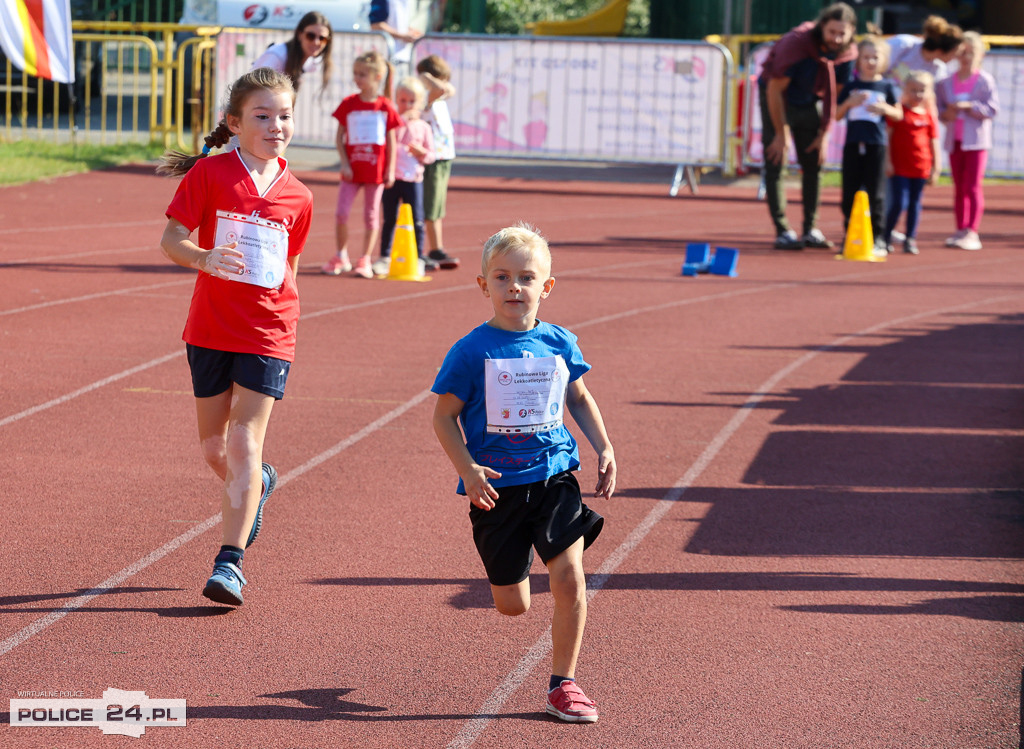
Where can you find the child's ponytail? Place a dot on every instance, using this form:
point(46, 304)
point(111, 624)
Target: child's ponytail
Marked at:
point(389, 78)
point(176, 163)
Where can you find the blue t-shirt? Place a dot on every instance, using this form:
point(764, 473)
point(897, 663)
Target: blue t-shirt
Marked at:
point(521, 455)
point(868, 131)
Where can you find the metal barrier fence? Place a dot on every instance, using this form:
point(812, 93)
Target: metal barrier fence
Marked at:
point(613, 100)
point(568, 98)
point(519, 97)
point(133, 81)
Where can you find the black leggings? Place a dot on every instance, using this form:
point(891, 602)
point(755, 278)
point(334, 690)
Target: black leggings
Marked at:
point(864, 169)
point(402, 192)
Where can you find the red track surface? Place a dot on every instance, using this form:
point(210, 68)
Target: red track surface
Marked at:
point(817, 540)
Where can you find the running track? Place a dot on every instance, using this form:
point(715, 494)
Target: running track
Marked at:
point(816, 542)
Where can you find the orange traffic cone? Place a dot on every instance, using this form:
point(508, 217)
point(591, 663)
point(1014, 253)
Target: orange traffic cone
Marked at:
point(860, 241)
point(405, 262)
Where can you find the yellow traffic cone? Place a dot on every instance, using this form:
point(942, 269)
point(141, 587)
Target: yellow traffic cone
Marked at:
point(860, 241)
point(405, 262)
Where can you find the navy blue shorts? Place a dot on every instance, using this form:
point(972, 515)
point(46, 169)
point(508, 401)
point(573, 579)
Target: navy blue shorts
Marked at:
point(547, 515)
point(213, 372)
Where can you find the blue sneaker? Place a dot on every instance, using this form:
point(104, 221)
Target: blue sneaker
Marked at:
point(225, 584)
point(269, 482)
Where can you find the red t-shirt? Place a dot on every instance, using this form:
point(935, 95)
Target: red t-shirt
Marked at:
point(910, 144)
point(231, 315)
point(366, 126)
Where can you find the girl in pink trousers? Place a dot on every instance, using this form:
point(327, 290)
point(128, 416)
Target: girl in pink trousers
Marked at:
point(967, 102)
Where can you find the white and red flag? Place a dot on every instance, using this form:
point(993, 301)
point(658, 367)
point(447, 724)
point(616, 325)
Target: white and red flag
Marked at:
point(36, 37)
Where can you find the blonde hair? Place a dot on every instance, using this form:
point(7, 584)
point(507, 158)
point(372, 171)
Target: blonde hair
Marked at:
point(380, 65)
point(881, 46)
point(974, 39)
point(923, 77)
point(414, 87)
point(521, 236)
point(175, 163)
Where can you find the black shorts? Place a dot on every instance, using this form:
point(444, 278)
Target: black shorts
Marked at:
point(547, 515)
point(213, 372)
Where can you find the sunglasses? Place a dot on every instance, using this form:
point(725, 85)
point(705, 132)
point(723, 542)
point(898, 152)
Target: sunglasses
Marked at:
point(310, 36)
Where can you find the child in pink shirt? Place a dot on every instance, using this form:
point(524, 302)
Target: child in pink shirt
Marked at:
point(415, 149)
point(967, 102)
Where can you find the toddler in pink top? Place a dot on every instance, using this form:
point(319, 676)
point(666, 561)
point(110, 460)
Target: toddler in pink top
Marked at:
point(415, 149)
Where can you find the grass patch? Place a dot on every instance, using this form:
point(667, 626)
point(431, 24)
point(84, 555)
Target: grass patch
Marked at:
point(28, 160)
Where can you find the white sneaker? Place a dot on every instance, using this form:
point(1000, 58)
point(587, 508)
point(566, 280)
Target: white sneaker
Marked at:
point(952, 240)
point(898, 236)
point(969, 241)
point(381, 266)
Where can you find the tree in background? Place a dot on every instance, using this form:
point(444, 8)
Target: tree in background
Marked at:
point(511, 16)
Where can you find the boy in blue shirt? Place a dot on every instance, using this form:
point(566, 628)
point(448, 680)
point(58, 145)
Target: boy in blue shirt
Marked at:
point(509, 382)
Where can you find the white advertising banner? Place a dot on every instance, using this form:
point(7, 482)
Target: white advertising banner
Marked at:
point(591, 99)
point(1007, 155)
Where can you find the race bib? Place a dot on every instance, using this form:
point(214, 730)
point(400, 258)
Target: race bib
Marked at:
point(860, 112)
point(366, 128)
point(263, 244)
point(525, 396)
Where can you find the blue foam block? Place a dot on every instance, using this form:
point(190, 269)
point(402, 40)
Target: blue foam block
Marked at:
point(698, 257)
point(724, 261)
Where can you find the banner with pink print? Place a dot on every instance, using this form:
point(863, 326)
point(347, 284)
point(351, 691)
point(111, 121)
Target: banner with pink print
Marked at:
point(589, 99)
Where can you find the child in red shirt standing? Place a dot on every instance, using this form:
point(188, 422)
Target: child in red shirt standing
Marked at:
point(367, 124)
point(252, 217)
point(913, 156)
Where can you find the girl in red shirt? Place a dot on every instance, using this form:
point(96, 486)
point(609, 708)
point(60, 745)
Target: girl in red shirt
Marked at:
point(367, 124)
point(913, 158)
point(252, 218)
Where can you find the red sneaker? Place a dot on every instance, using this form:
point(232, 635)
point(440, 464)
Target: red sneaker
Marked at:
point(570, 704)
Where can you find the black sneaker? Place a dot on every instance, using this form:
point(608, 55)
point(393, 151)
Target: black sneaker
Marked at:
point(443, 259)
point(269, 483)
point(910, 246)
point(788, 240)
point(814, 238)
point(429, 265)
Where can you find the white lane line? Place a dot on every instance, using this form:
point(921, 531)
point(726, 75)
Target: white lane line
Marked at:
point(97, 295)
point(475, 726)
point(88, 388)
point(540, 649)
point(81, 227)
point(211, 522)
point(111, 582)
point(40, 259)
point(155, 362)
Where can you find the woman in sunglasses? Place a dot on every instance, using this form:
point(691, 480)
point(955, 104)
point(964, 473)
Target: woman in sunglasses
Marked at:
point(309, 48)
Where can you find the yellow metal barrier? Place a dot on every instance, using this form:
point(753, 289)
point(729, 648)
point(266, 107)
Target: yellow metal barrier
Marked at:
point(200, 95)
point(132, 87)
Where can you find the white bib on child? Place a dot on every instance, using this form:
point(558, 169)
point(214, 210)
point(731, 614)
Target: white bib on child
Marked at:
point(525, 396)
